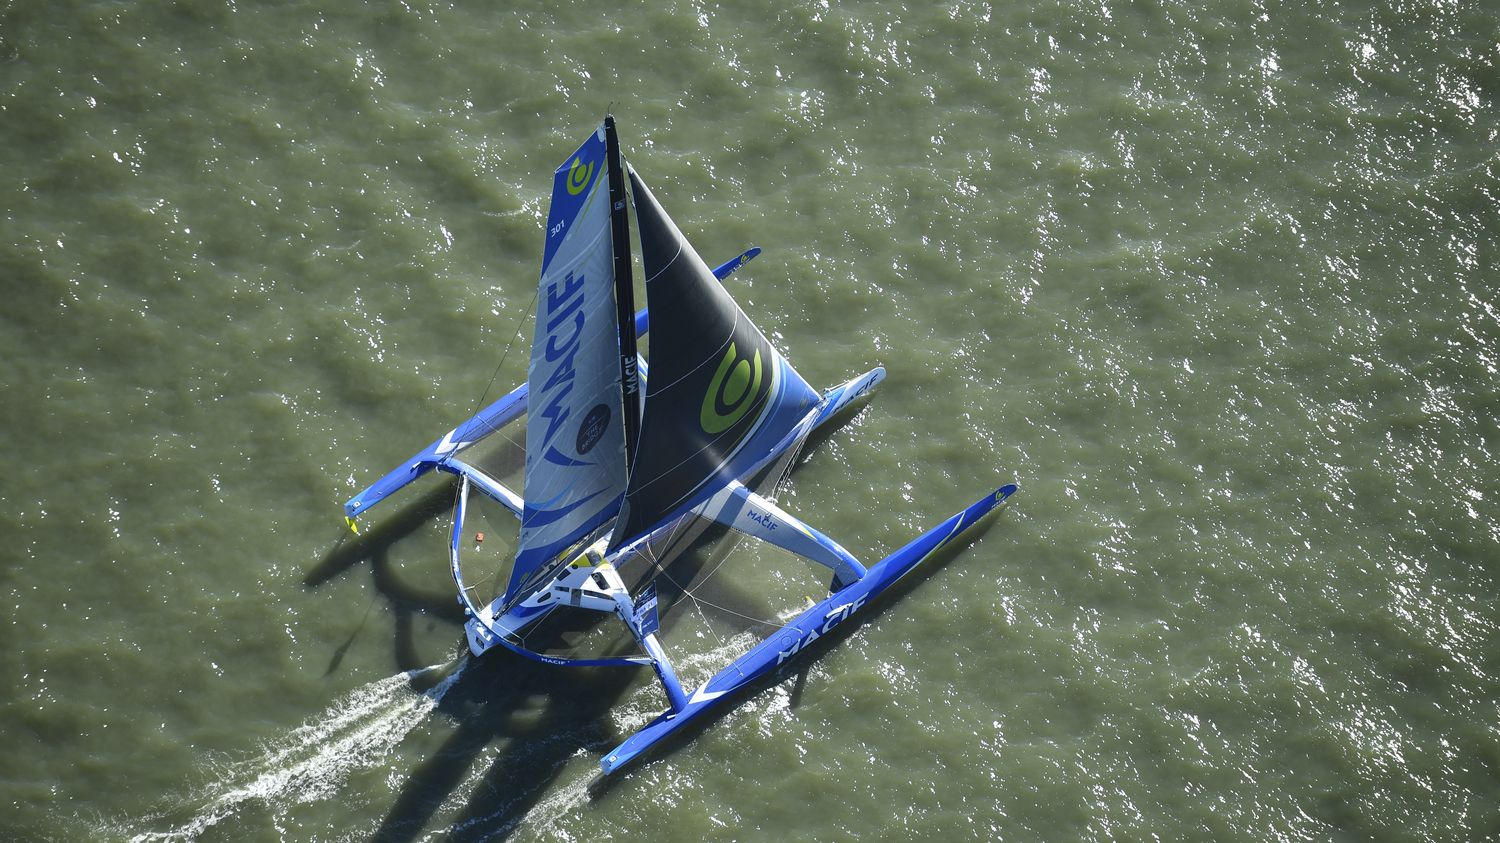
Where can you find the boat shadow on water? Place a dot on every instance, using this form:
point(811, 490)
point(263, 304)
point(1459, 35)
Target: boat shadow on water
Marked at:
point(527, 720)
point(537, 716)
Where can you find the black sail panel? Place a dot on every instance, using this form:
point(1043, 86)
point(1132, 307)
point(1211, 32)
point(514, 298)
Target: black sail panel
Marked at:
point(718, 393)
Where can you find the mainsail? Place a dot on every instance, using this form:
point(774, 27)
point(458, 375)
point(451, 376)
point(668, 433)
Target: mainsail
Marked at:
point(719, 394)
point(575, 445)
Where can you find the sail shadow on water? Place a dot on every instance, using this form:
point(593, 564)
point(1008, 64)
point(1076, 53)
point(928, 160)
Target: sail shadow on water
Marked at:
point(511, 723)
point(400, 548)
point(386, 552)
point(517, 724)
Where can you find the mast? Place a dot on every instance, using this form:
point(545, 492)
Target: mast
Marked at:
point(624, 290)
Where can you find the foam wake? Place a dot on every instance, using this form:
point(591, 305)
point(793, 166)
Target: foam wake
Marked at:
point(312, 761)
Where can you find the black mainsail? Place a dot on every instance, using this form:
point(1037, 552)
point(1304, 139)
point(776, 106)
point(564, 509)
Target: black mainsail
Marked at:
point(716, 385)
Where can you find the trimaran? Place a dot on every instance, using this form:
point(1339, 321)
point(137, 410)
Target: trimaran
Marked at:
point(613, 476)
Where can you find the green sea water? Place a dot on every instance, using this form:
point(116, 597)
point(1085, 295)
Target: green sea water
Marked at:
point(1215, 282)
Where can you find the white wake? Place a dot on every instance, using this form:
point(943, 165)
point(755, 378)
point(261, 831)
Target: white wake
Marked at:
point(312, 761)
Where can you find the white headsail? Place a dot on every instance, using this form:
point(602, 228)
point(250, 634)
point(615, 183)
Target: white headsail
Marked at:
point(575, 445)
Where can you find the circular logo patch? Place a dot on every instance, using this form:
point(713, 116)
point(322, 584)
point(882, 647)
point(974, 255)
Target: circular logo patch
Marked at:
point(592, 429)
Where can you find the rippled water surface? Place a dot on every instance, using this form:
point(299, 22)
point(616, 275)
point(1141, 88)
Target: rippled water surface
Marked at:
point(1214, 282)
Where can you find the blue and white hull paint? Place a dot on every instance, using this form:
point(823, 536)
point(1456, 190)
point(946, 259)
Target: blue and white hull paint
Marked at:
point(801, 632)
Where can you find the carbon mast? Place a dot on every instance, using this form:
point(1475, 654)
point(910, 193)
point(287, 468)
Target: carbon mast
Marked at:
point(619, 219)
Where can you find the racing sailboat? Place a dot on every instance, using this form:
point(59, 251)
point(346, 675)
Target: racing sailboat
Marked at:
point(630, 457)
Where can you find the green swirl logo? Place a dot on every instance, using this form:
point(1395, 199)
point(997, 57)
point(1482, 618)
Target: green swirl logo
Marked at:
point(579, 175)
point(733, 388)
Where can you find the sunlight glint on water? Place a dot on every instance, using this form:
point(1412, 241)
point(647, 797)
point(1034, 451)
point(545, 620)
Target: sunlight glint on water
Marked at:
point(1211, 282)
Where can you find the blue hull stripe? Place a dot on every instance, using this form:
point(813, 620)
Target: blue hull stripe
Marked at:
point(802, 631)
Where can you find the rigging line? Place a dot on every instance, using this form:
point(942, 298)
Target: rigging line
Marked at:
point(698, 608)
point(649, 553)
point(723, 557)
point(523, 635)
point(783, 468)
point(699, 602)
point(520, 324)
point(728, 611)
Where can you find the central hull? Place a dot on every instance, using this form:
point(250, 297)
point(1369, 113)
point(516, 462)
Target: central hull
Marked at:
point(496, 625)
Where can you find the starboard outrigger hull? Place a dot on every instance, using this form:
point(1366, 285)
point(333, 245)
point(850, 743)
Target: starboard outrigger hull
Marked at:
point(817, 621)
point(624, 462)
